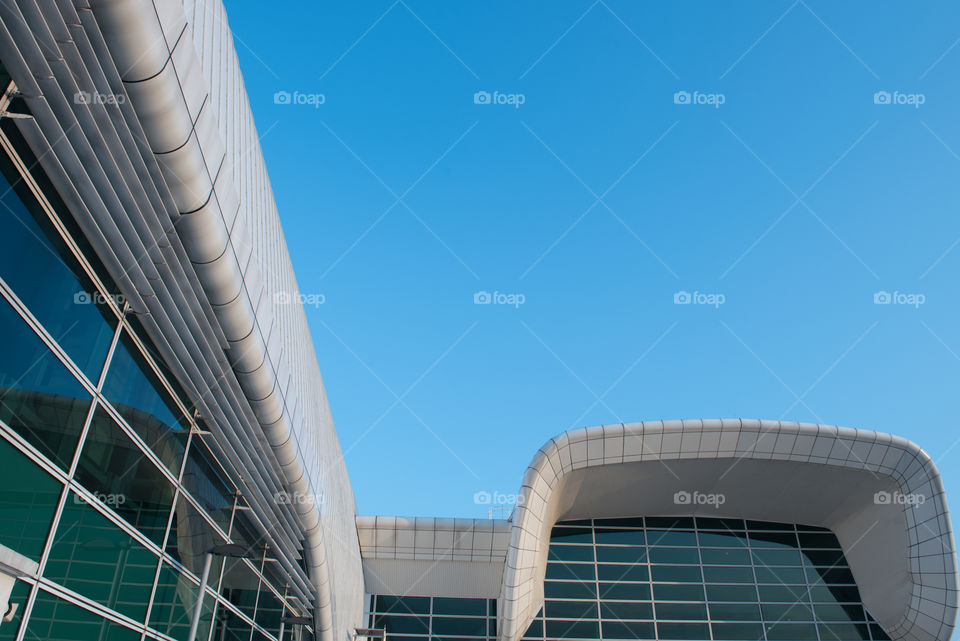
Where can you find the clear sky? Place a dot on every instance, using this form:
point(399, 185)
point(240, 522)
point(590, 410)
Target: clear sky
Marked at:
point(782, 192)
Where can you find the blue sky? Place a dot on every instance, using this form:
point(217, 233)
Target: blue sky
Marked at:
point(597, 200)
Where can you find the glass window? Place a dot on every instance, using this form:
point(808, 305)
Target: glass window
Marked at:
point(721, 556)
point(734, 612)
point(462, 626)
point(683, 631)
point(54, 619)
point(782, 593)
point(229, 626)
point(773, 539)
point(621, 554)
point(190, 537)
point(819, 540)
point(618, 610)
point(830, 575)
point(240, 585)
point(670, 592)
point(632, 522)
point(120, 474)
point(676, 573)
point(398, 624)
point(27, 503)
point(570, 590)
point(780, 575)
point(723, 539)
point(786, 612)
point(572, 535)
point(619, 537)
point(570, 609)
point(737, 631)
point(575, 571)
point(674, 555)
point(563, 629)
point(829, 558)
point(137, 394)
point(671, 538)
point(791, 632)
point(39, 398)
point(681, 611)
point(623, 573)
point(207, 483)
point(570, 553)
point(467, 607)
point(42, 272)
point(731, 592)
point(628, 630)
point(633, 591)
point(92, 556)
point(174, 603)
point(670, 522)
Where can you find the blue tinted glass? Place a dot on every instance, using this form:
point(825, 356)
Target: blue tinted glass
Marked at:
point(36, 264)
point(39, 398)
point(137, 394)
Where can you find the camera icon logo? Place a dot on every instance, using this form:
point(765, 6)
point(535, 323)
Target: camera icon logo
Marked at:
point(681, 98)
point(881, 98)
point(682, 498)
point(82, 98)
point(681, 298)
point(883, 498)
point(482, 298)
point(481, 98)
point(881, 298)
point(482, 498)
point(82, 298)
point(281, 98)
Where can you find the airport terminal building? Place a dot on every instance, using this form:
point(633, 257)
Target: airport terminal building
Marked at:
point(164, 425)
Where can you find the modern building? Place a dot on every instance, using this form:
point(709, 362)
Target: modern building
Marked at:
point(163, 421)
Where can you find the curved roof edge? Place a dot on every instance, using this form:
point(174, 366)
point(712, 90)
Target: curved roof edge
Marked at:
point(865, 462)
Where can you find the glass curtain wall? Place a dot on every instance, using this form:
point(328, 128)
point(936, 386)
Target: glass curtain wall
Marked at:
point(106, 486)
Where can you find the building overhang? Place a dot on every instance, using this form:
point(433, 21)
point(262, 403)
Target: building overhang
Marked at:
point(880, 494)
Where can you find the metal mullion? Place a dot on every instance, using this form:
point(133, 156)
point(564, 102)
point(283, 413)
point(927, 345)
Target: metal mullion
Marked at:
point(596, 580)
point(756, 581)
point(803, 568)
point(51, 536)
point(89, 604)
point(703, 578)
point(45, 336)
point(93, 406)
point(28, 450)
point(54, 218)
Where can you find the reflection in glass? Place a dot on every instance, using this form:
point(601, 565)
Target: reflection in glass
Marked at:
point(111, 465)
point(174, 603)
point(45, 276)
point(190, 538)
point(27, 503)
point(92, 556)
point(39, 398)
point(206, 482)
point(137, 394)
point(54, 619)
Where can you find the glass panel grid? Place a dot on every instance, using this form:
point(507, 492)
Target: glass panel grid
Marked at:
point(107, 553)
point(695, 578)
point(441, 618)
